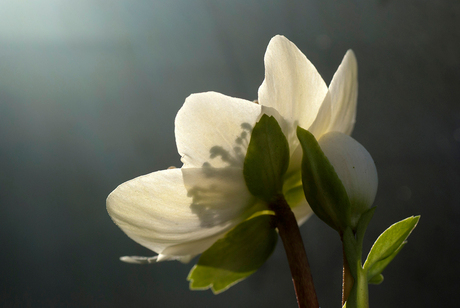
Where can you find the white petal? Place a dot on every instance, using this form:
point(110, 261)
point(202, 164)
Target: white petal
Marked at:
point(183, 259)
point(154, 259)
point(182, 251)
point(344, 95)
point(183, 210)
point(214, 129)
point(139, 260)
point(322, 123)
point(354, 166)
point(292, 86)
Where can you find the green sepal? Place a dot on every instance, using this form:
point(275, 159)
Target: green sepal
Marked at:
point(363, 223)
point(323, 189)
point(389, 242)
point(267, 159)
point(236, 256)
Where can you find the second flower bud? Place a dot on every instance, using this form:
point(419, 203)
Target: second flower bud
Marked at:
point(339, 178)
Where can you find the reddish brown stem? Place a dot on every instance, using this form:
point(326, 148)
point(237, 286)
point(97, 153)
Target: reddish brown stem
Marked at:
point(298, 263)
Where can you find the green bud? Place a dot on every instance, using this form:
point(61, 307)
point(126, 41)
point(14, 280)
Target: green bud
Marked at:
point(322, 187)
point(355, 168)
point(339, 178)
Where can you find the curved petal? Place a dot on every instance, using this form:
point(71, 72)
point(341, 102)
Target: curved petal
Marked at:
point(183, 210)
point(292, 86)
point(322, 123)
point(214, 130)
point(344, 95)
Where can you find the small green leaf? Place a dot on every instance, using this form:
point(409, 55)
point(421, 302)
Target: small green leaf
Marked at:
point(390, 241)
point(236, 256)
point(378, 267)
point(377, 279)
point(267, 159)
point(323, 189)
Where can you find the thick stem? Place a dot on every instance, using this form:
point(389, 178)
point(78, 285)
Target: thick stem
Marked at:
point(295, 251)
point(347, 281)
point(362, 289)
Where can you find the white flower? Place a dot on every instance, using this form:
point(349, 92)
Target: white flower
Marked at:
point(179, 213)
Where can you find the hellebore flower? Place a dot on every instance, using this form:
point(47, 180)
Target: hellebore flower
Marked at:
point(180, 213)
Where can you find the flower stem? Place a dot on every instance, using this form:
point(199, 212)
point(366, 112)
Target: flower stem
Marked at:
point(298, 263)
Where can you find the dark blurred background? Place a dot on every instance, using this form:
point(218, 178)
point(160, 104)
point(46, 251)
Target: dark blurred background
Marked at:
point(88, 95)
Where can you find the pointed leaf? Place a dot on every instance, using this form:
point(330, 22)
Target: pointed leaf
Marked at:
point(236, 256)
point(267, 159)
point(322, 187)
point(378, 267)
point(390, 240)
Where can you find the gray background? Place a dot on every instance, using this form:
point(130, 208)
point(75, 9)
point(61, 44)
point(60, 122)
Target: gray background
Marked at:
point(88, 95)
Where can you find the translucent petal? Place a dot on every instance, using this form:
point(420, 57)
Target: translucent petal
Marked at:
point(183, 259)
point(138, 259)
point(148, 260)
point(214, 130)
point(322, 123)
point(292, 86)
point(181, 212)
point(344, 95)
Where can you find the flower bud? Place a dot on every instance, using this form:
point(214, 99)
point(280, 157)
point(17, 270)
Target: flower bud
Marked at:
point(355, 168)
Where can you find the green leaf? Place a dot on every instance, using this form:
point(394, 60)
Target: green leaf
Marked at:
point(377, 279)
point(267, 159)
point(236, 256)
point(323, 189)
point(390, 241)
point(374, 273)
